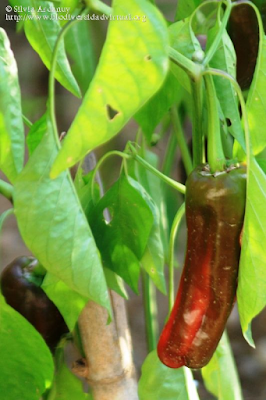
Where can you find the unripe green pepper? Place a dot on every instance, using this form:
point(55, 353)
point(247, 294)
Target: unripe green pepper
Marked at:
point(215, 206)
point(20, 285)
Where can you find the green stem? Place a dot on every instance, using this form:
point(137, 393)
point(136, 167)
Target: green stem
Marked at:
point(138, 139)
point(181, 141)
point(150, 310)
point(169, 155)
point(101, 161)
point(99, 7)
point(197, 134)
point(216, 156)
point(171, 182)
point(4, 216)
point(27, 121)
point(174, 228)
point(222, 74)
point(51, 86)
point(214, 46)
point(6, 190)
point(192, 69)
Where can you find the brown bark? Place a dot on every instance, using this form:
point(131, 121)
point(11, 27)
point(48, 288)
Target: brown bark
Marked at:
point(111, 373)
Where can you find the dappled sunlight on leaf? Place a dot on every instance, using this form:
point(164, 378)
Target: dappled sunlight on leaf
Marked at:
point(63, 241)
point(131, 69)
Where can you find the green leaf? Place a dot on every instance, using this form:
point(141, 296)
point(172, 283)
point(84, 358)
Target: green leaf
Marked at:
point(262, 164)
point(72, 4)
point(153, 258)
point(152, 112)
point(204, 17)
point(83, 186)
point(183, 40)
point(69, 302)
point(66, 385)
point(158, 382)
point(26, 363)
point(220, 375)
point(225, 59)
point(42, 30)
point(79, 47)
point(11, 124)
point(153, 185)
point(186, 8)
point(115, 283)
point(256, 102)
point(36, 133)
point(251, 292)
point(132, 67)
point(65, 9)
point(54, 227)
point(123, 240)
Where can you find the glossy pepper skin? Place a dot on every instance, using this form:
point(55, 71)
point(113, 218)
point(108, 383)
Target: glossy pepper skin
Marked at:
point(243, 29)
point(22, 291)
point(215, 208)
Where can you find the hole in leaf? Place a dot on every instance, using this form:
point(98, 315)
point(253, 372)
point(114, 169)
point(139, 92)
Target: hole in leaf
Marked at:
point(148, 57)
point(228, 122)
point(107, 216)
point(111, 112)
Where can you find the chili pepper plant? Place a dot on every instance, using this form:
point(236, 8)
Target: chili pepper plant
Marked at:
point(186, 95)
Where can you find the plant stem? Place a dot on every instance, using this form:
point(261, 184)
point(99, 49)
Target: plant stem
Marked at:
point(99, 7)
point(181, 141)
point(213, 48)
point(51, 87)
point(192, 69)
point(6, 190)
point(171, 182)
point(150, 310)
point(4, 216)
point(197, 134)
point(101, 161)
point(174, 228)
point(27, 121)
point(215, 148)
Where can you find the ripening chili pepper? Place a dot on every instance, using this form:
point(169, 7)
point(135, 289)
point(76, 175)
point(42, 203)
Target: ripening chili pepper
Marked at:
point(21, 287)
point(243, 29)
point(215, 206)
